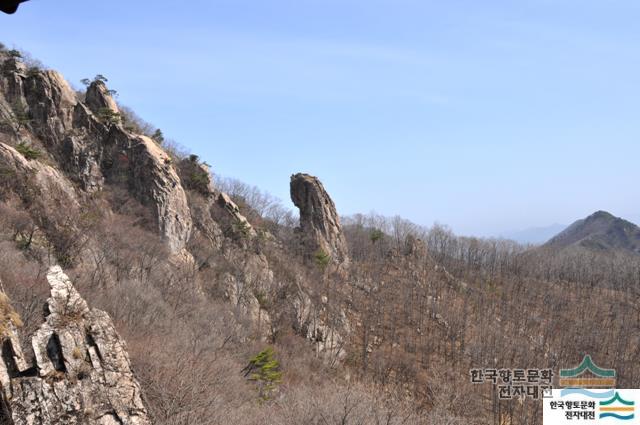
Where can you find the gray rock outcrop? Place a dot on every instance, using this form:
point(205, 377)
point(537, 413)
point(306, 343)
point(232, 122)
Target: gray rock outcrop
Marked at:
point(81, 372)
point(90, 148)
point(319, 221)
point(44, 98)
point(99, 99)
point(50, 102)
point(146, 170)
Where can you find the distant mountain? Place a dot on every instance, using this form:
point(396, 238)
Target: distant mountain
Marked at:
point(535, 235)
point(600, 231)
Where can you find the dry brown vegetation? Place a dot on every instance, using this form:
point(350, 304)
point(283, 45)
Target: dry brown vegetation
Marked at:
point(417, 309)
point(503, 306)
point(187, 350)
point(416, 328)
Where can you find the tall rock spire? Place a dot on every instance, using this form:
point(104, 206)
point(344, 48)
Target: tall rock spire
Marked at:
point(319, 221)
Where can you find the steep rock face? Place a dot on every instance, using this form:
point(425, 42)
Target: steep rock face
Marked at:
point(146, 169)
point(319, 220)
point(91, 149)
point(44, 97)
point(14, 73)
point(98, 152)
point(51, 101)
point(82, 373)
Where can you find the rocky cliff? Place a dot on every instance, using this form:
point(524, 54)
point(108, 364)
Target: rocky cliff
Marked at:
point(62, 151)
point(71, 164)
point(320, 228)
point(87, 139)
point(80, 373)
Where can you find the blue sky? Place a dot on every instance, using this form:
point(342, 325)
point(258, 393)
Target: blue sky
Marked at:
point(487, 116)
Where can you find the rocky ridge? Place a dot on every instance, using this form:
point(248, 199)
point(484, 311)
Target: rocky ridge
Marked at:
point(91, 145)
point(86, 149)
point(61, 150)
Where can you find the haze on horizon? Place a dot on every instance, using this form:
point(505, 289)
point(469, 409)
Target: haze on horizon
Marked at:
point(489, 117)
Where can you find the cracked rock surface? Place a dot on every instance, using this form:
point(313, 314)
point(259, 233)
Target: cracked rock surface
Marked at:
point(82, 373)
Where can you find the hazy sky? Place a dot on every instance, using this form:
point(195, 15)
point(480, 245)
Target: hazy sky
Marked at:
point(488, 116)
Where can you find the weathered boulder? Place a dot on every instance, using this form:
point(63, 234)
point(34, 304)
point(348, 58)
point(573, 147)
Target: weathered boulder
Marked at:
point(319, 221)
point(99, 99)
point(82, 373)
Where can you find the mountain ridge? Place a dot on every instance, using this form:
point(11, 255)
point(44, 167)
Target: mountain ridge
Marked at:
point(600, 231)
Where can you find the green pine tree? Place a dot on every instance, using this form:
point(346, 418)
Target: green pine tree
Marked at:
point(264, 369)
